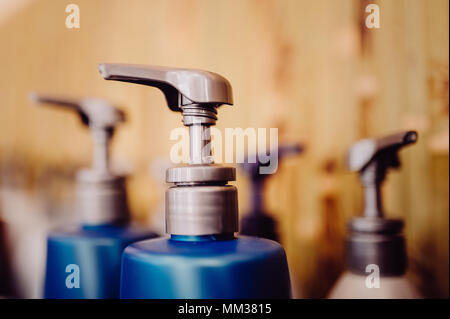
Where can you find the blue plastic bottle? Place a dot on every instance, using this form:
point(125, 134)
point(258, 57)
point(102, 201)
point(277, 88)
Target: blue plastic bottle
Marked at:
point(96, 251)
point(202, 258)
point(205, 267)
point(85, 261)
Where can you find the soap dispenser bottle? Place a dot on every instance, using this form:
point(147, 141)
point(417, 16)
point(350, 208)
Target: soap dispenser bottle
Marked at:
point(376, 253)
point(258, 222)
point(202, 258)
point(84, 262)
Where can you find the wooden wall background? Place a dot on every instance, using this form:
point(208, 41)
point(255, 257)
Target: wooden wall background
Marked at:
point(310, 68)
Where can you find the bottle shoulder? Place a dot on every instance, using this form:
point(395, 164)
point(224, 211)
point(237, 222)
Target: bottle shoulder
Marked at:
point(240, 248)
point(244, 267)
point(122, 232)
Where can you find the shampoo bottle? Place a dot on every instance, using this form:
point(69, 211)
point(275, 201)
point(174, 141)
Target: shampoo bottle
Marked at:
point(84, 261)
point(202, 258)
point(258, 222)
point(376, 253)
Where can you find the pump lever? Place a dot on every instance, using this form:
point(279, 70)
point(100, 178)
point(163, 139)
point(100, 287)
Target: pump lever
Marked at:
point(99, 115)
point(383, 149)
point(372, 158)
point(258, 180)
point(180, 86)
point(92, 111)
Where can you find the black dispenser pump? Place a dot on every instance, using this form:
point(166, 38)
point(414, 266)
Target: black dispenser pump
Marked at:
point(374, 239)
point(258, 222)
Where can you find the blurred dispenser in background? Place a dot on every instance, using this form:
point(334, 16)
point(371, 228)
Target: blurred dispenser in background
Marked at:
point(258, 222)
point(84, 261)
point(376, 249)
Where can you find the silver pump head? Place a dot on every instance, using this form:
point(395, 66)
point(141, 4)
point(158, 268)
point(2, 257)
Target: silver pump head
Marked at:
point(372, 158)
point(101, 195)
point(201, 202)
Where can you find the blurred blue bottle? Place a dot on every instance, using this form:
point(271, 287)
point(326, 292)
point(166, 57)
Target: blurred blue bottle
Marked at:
point(258, 222)
point(84, 261)
point(202, 258)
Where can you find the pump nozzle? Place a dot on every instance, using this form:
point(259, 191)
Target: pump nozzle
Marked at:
point(372, 158)
point(252, 169)
point(180, 86)
point(101, 194)
point(195, 93)
point(99, 115)
point(366, 151)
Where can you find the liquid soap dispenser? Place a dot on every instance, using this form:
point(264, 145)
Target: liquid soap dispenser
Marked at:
point(376, 253)
point(257, 222)
point(202, 258)
point(84, 262)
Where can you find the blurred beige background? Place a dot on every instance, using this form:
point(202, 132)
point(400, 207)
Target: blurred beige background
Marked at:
point(310, 68)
